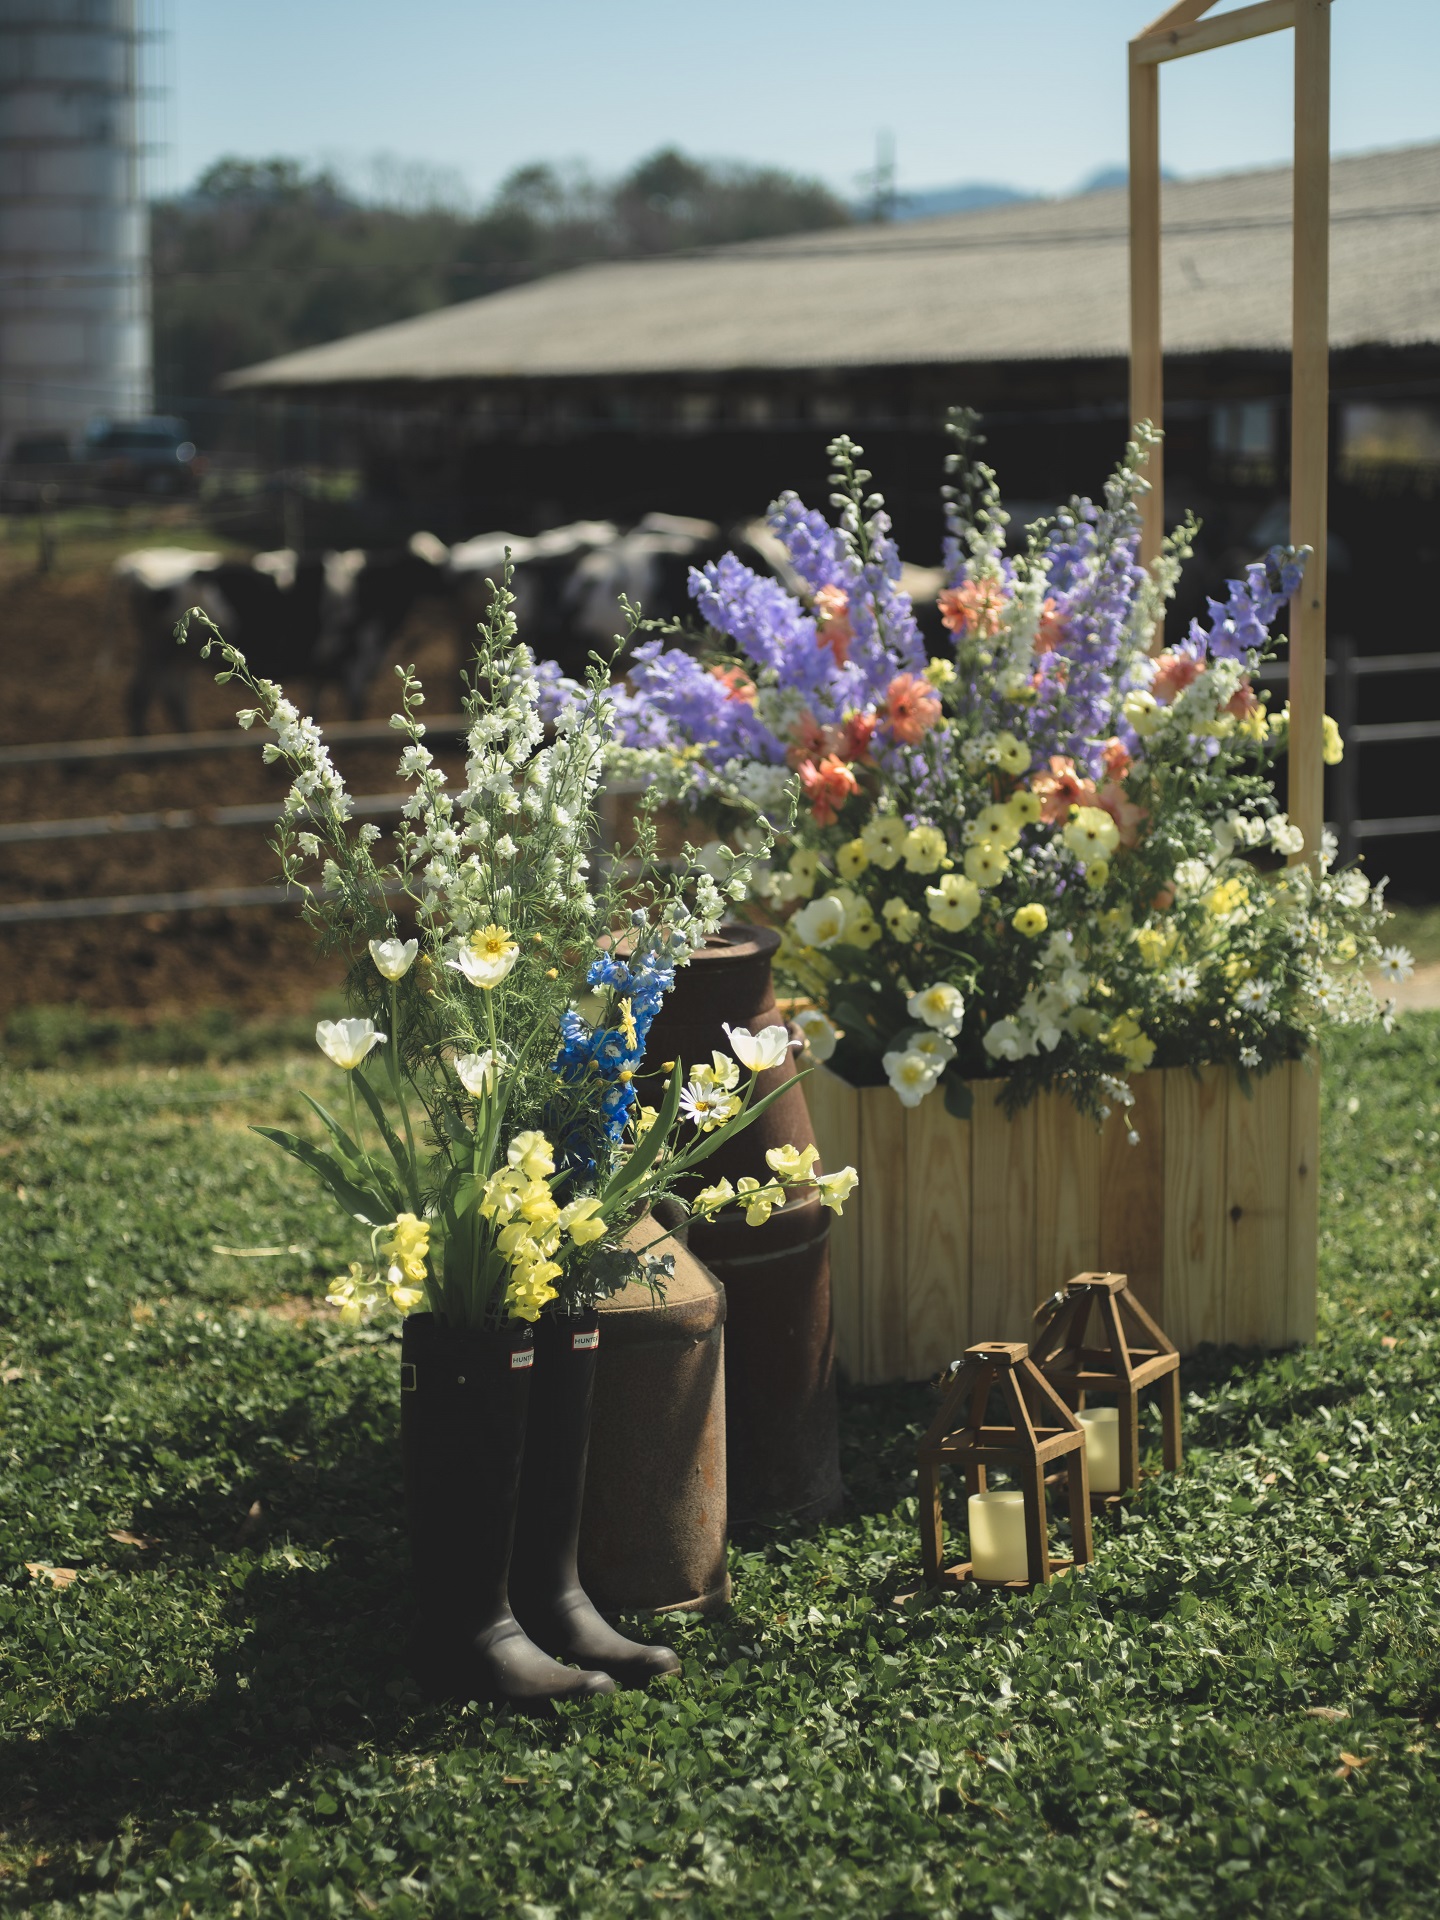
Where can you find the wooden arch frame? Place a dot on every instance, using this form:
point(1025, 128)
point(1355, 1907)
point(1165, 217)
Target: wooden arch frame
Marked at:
point(1180, 30)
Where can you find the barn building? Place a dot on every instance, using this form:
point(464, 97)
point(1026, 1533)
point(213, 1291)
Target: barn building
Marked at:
point(703, 383)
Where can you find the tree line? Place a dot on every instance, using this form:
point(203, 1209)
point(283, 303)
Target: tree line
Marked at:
point(264, 256)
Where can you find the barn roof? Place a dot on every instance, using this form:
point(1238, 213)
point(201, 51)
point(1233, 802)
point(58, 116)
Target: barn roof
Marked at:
point(1041, 280)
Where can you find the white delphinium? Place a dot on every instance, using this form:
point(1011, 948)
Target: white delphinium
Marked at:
point(1007, 1039)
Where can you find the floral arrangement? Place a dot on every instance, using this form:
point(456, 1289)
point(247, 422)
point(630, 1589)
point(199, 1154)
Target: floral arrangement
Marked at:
point(494, 1144)
point(1041, 851)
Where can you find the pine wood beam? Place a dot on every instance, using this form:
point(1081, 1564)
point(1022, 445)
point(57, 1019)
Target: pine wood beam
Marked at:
point(1310, 413)
point(1164, 41)
point(1147, 388)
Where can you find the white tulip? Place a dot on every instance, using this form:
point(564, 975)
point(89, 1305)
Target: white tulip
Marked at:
point(394, 958)
point(820, 1034)
point(758, 1051)
point(347, 1042)
point(476, 1072)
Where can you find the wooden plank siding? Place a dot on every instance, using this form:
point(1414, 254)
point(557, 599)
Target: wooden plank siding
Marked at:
point(958, 1228)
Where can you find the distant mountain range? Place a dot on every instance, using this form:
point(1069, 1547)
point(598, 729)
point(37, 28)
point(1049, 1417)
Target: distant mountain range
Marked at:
point(926, 202)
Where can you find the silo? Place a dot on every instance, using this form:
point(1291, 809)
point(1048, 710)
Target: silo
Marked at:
point(74, 230)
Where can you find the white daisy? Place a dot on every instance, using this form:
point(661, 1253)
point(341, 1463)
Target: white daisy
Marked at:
point(1253, 996)
point(1249, 1056)
point(1183, 982)
point(1396, 965)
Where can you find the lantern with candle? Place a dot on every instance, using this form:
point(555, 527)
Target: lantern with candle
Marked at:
point(1127, 1353)
point(1035, 1432)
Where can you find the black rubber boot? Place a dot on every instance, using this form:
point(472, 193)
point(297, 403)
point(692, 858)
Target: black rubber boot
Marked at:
point(555, 1609)
point(463, 1404)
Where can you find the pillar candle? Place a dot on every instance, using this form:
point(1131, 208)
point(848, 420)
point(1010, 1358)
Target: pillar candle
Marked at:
point(997, 1536)
point(1102, 1448)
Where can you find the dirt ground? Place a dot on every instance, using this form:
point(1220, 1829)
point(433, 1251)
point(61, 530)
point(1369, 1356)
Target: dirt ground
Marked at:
point(67, 653)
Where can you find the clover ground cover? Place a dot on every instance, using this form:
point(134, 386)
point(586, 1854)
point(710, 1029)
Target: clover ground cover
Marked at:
point(1233, 1711)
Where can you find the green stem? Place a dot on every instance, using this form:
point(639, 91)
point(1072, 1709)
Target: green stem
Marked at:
point(396, 1081)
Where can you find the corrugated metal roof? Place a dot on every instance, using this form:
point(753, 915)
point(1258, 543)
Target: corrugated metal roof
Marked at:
point(1043, 280)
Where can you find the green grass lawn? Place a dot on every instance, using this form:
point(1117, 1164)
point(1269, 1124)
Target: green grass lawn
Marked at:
point(212, 1717)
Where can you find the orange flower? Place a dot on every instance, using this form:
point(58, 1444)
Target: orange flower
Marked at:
point(832, 619)
point(809, 740)
point(858, 732)
point(737, 684)
point(1116, 756)
point(1173, 673)
point(912, 706)
point(1242, 703)
point(827, 787)
point(1127, 816)
point(974, 608)
point(1051, 630)
point(1061, 789)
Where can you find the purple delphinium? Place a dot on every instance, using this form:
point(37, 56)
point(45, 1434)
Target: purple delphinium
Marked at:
point(1239, 624)
point(671, 696)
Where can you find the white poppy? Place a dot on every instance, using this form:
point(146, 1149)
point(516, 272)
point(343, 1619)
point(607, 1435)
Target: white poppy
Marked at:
point(394, 958)
point(820, 1034)
point(821, 922)
point(941, 1007)
point(347, 1042)
point(911, 1074)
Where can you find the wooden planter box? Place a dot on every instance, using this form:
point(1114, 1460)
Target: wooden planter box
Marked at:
point(959, 1227)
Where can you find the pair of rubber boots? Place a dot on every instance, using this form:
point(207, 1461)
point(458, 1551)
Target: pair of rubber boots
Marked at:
point(494, 1432)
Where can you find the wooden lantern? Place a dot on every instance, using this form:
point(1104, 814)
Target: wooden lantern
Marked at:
point(1040, 1431)
point(1130, 1353)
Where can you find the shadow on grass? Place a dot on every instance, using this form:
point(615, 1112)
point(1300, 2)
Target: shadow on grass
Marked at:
point(316, 1667)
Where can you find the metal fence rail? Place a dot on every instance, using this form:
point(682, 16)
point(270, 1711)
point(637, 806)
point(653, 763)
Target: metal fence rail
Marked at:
point(161, 746)
point(1345, 669)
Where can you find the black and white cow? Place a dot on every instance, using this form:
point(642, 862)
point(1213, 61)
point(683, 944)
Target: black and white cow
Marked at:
point(329, 618)
point(568, 582)
point(544, 565)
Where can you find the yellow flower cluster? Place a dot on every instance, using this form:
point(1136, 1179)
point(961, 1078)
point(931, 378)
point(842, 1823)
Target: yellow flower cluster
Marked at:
point(405, 1250)
point(792, 1167)
point(400, 1254)
point(1126, 1037)
point(518, 1201)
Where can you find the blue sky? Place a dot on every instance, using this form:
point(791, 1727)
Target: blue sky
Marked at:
point(1031, 92)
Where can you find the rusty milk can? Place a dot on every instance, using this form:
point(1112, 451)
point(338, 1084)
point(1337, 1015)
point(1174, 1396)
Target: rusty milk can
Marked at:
point(653, 1528)
point(782, 1441)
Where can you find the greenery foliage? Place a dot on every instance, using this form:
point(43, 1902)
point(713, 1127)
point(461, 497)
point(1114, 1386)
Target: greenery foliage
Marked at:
point(527, 1161)
point(1234, 1712)
point(262, 257)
